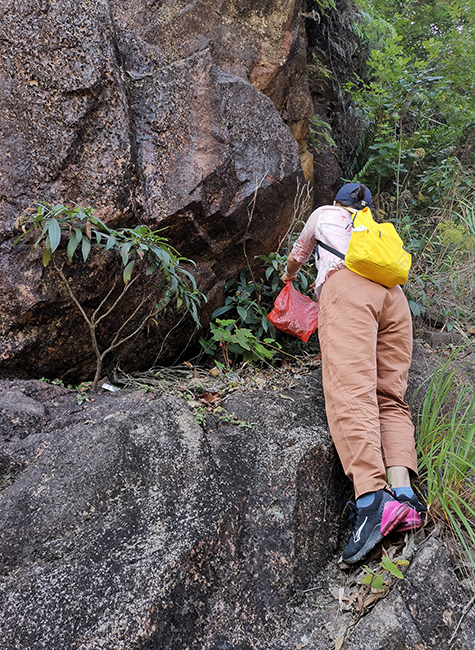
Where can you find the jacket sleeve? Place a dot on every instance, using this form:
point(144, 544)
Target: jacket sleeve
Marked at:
point(306, 242)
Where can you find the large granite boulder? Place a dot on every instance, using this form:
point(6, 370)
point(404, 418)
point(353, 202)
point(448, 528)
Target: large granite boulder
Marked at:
point(169, 114)
point(127, 525)
point(130, 522)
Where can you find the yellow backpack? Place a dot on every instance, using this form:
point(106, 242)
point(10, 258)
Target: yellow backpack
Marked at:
point(375, 251)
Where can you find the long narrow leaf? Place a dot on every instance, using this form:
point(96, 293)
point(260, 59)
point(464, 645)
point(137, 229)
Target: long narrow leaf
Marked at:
point(73, 243)
point(242, 312)
point(124, 251)
point(111, 242)
point(128, 271)
point(46, 256)
point(220, 311)
point(86, 248)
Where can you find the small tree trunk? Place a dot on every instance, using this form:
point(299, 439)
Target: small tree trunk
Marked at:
point(97, 376)
point(99, 357)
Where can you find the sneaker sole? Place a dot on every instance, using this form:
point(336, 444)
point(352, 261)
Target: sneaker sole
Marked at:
point(378, 533)
point(393, 514)
point(414, 524)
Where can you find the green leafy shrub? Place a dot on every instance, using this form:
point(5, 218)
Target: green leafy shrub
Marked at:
point(251, 297)
point(320, 132)
point(377, 579)
point(226, 336)
point(248, 301)
point(248, 333)
point(140, 251)
point(415, 102)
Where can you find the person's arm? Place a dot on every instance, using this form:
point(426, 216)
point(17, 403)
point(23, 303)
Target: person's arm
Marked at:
point(291, 269)
point(302, 249)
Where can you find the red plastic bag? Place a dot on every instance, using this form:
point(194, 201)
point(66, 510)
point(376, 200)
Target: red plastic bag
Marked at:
point(294, 313)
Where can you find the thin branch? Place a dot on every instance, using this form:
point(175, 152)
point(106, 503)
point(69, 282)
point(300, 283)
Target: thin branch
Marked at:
point(71, 294)
point(250, 215)
point(115, 342)
point(91, 325)
point(302, 201)
point(97, 311)
point(464, 612)
point(122, 294)
point(164, 340)
point(274, 347)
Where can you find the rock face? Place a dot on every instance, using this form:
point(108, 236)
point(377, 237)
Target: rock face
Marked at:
point(165, 113)
point(127, 525)
point(422, 611)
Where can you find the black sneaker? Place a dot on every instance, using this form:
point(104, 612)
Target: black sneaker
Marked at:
point(413, 502)
point(371, 524)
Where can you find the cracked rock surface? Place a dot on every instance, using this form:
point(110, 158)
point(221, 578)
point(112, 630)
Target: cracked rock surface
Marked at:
point(168, 114)
point(126, 524)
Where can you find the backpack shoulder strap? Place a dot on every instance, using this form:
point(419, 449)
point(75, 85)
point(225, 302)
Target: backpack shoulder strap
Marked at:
point(329, 249)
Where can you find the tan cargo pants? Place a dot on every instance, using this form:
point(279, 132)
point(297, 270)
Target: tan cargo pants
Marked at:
point(365, 334)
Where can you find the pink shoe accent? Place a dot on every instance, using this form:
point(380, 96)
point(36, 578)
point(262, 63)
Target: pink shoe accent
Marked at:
point(393, 513)
point(411, 521)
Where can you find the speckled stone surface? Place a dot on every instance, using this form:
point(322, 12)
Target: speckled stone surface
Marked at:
point(125, 524)
point(169, 114)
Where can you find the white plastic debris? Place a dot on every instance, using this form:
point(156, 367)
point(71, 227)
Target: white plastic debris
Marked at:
point(113, 389)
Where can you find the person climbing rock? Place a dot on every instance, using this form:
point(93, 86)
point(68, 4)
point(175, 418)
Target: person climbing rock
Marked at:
point(365, 334)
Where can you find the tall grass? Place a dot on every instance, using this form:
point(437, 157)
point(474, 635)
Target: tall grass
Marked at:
point(446, 449)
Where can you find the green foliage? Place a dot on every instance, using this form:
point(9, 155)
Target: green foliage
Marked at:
point(323, 6)
point(376, 579)
point(373, 579)
point(451, 233)
point(317, 70)
point(416, 102)
point(82, 391)
point(465, 213)
point(227, 336)
point(201, 414)
point(251, 297)
point(140, 251)
point(248, 302)
point(320, 130)
point(248, 333)
point(387, 565)
point(446, 447)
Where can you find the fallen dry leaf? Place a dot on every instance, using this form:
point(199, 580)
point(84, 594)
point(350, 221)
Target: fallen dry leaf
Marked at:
point(374, 597)
point(209, 398)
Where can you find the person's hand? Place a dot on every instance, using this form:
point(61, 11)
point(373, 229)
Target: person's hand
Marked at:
point(294, 267)
point(285, 277)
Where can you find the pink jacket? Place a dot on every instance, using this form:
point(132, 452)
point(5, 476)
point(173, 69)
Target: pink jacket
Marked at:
point(331, 225)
